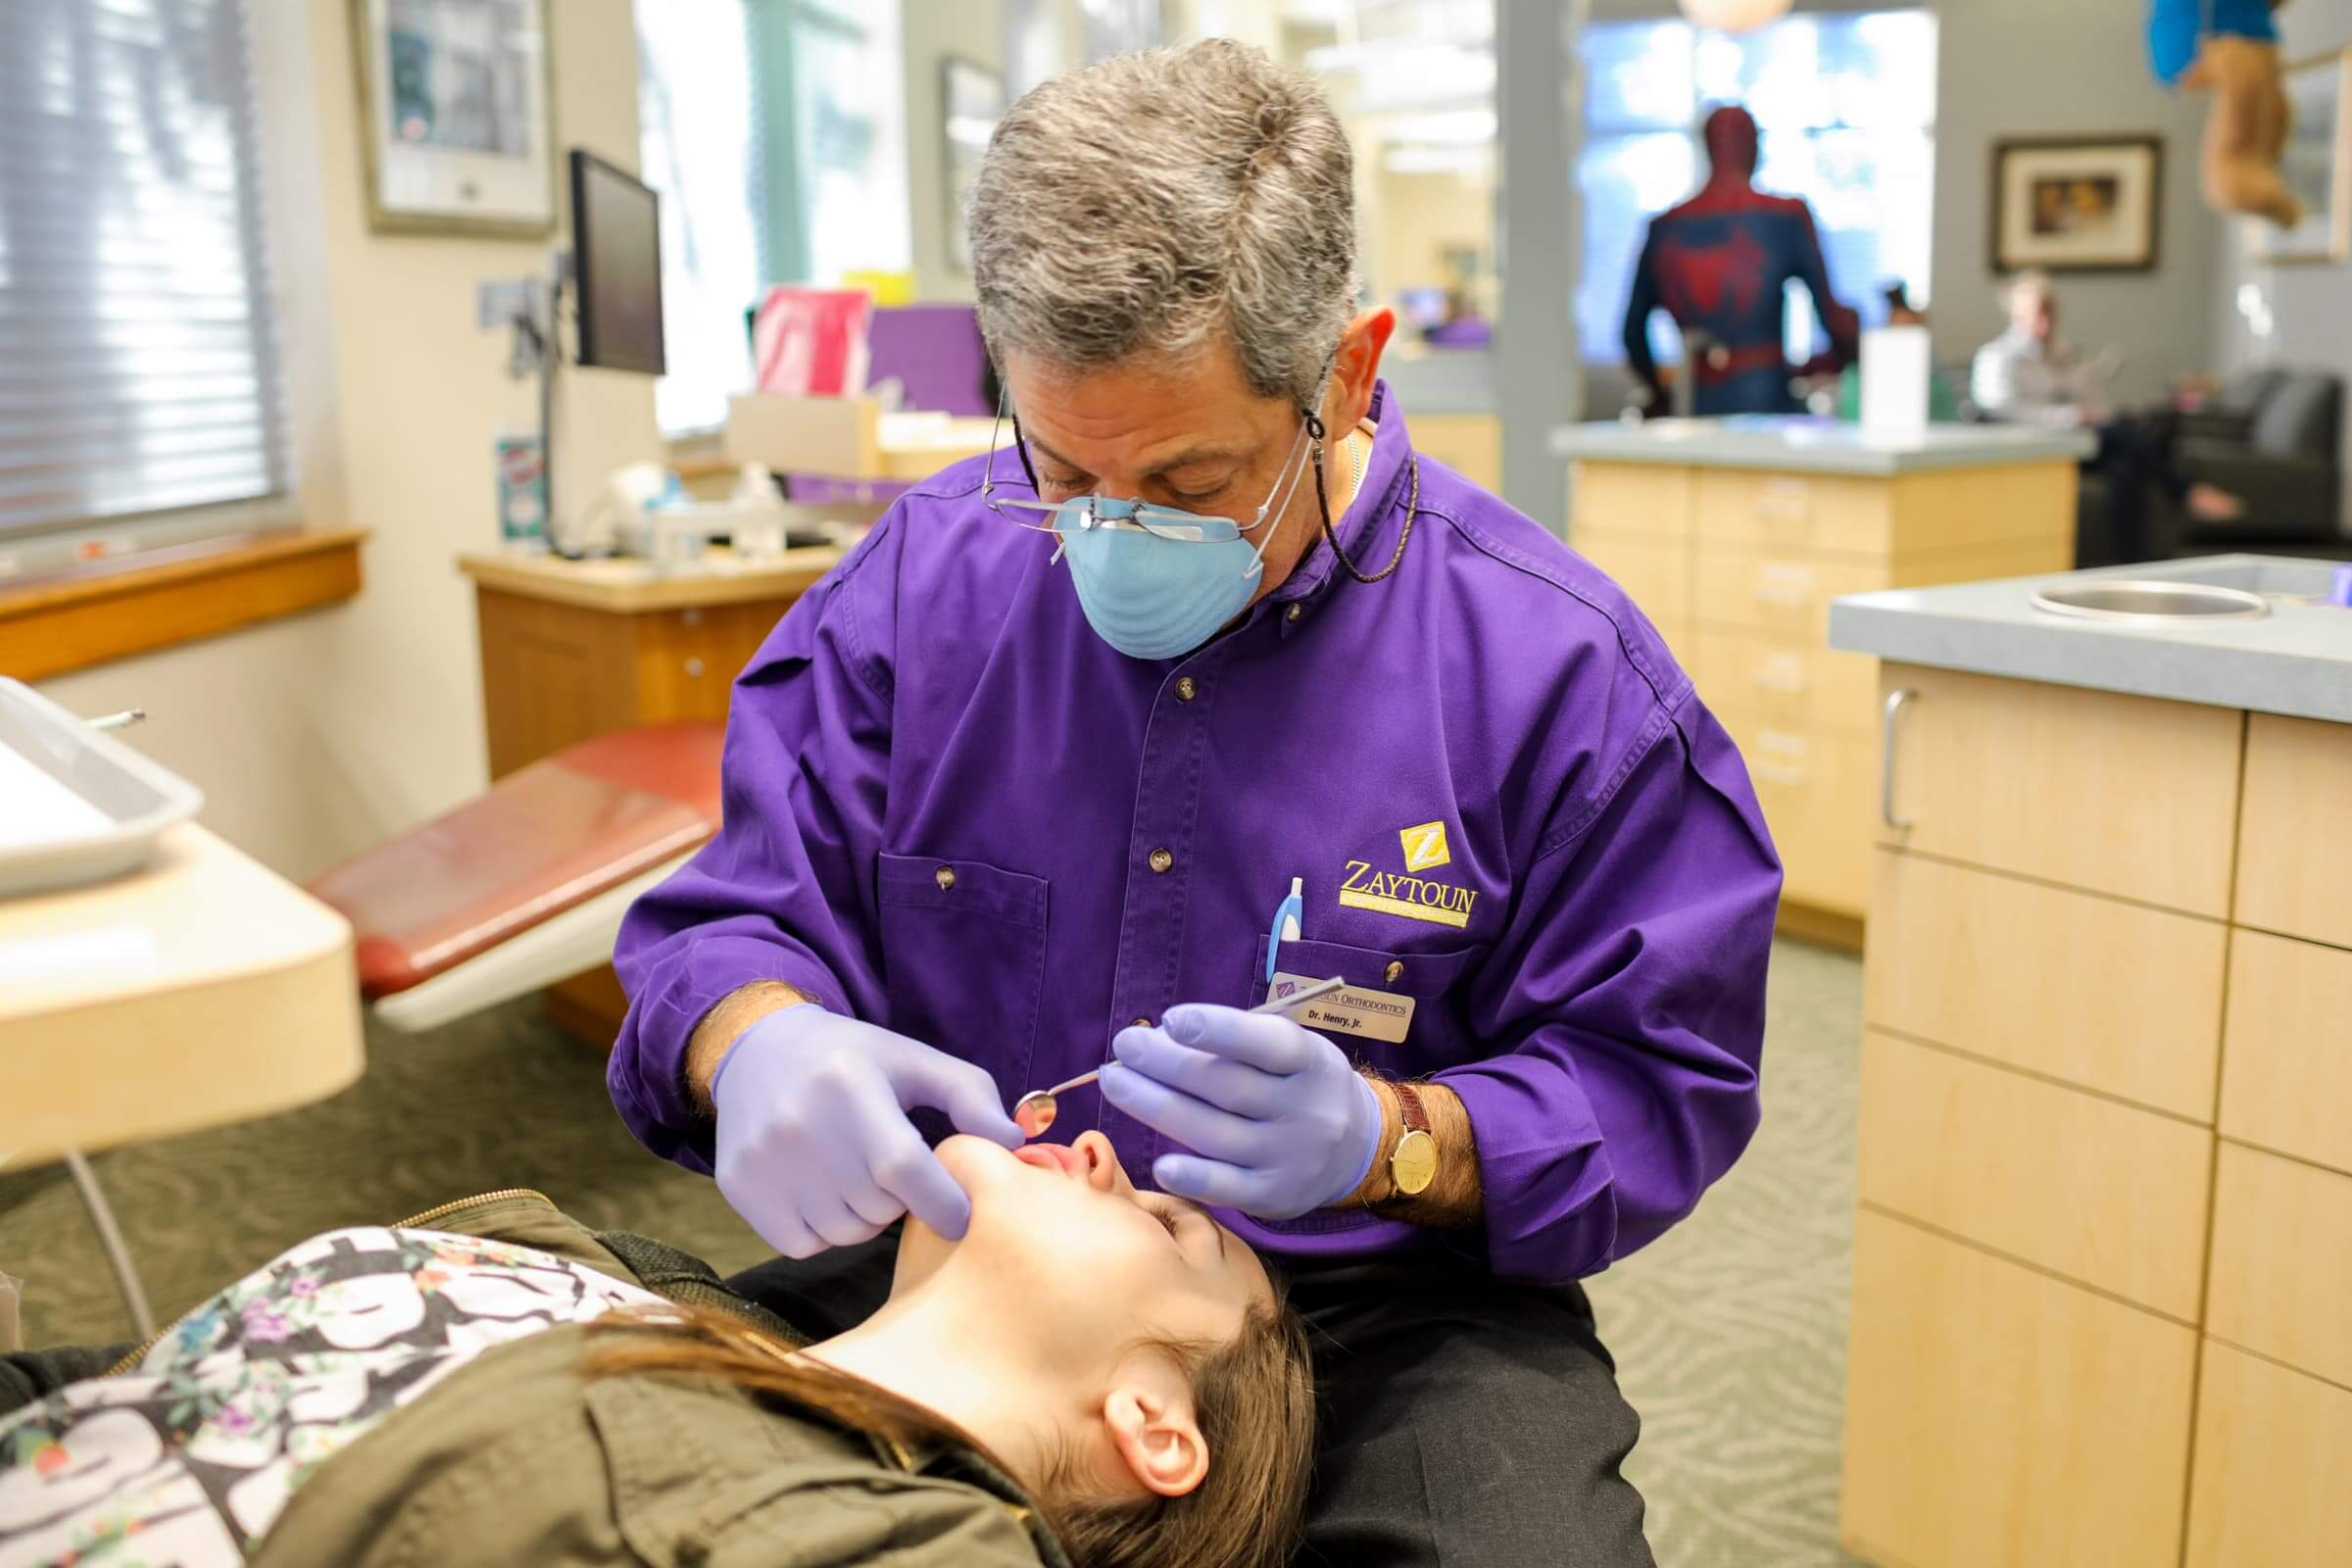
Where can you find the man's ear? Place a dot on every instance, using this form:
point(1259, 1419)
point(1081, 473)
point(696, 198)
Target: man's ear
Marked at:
point(1156, 1438)
point(1357, 366)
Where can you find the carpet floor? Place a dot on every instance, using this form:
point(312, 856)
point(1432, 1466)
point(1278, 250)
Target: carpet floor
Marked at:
point(1730, 1333)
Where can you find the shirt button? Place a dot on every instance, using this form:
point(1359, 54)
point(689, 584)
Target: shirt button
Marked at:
point(1186, 691)
point(1143, 1023)
point(945, 876)
point(1295, 612)
point(1394, 971)
point(1161, 859)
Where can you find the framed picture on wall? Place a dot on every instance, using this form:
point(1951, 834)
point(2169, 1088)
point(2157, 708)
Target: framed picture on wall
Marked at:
point(2316, 165)
point(2092, 204)
point(454, 116)
point(971, 100)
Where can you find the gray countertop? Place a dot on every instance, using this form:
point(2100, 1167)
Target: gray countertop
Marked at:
point(2298, 660)
point(1801, 444)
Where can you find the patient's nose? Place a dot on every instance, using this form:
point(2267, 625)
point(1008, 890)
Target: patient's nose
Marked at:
point(1101, 1163)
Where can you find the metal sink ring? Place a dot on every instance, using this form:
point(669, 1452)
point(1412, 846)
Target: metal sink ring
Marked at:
point(2143, 602)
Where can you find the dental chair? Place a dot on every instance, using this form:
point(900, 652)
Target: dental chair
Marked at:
point(526, 883)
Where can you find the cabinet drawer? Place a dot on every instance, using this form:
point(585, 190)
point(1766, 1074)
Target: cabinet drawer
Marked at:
point(2100, 1192)
point(2122, 795)
point(1821, 511)
point(2282, 1261)
point(2033, 975)
point(1785, 590)
point(1814, 788)
point(2295, 867)
point(1996, 1415)
point(1643, 498)
point(1654, 571)
point(2274, 1448)
point(1788, 684)
point(1783, 593)
point(2287, 1058)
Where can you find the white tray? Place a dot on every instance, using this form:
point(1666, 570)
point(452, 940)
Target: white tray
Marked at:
point(76, 803)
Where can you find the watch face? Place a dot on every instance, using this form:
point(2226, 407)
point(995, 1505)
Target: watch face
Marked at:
point(1414, 1164)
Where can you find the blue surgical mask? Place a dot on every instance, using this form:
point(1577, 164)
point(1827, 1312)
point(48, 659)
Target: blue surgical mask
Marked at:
point(1157, 582)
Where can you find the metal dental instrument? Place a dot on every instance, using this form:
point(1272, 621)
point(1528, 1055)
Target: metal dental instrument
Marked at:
point(1033, 1112)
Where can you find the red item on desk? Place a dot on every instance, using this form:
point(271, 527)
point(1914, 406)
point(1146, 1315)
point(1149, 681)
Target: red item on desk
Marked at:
point(812, 342)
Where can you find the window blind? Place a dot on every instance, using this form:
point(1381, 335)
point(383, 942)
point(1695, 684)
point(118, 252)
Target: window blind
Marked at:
point(138, 365)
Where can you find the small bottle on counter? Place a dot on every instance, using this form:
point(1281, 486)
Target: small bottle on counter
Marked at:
point(2341, 593)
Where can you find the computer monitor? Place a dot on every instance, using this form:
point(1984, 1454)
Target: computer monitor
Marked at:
point(616, 261)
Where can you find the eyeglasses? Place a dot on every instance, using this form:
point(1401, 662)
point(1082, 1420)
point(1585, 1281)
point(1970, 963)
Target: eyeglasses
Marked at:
point(1080, 514)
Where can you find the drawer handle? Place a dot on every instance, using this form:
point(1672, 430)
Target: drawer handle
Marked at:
point(1788, 586)
point(1897, 702)
point(1781, 672)
point(1780, 773)
point(1783, 500)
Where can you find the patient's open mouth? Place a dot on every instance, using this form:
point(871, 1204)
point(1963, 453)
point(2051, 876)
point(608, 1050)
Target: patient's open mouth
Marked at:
point(1060, 1159)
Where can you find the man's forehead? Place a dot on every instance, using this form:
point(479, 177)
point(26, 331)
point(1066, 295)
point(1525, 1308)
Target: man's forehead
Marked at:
point(1155, 414)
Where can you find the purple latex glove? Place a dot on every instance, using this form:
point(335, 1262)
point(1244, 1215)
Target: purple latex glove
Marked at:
point(815, 1147)
point(1278, 1122)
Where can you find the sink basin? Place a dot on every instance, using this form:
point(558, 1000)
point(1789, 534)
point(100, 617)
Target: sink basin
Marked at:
point(2151, 601)
point(2280, 579)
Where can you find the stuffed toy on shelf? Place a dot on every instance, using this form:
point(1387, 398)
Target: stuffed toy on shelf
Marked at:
point(2231, 49)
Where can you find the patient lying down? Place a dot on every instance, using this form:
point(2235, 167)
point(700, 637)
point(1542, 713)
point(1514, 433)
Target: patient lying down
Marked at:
point(1092, 1376)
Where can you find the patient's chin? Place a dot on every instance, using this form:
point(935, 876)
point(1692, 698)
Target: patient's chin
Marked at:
point(976, 1163)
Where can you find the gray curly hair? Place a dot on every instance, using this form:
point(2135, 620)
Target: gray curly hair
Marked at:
point(1155, 200)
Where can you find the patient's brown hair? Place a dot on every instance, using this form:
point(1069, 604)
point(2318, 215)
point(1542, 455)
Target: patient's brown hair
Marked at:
point(1252, 1397)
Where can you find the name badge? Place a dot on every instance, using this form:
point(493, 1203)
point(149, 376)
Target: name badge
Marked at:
point(1354, 1011)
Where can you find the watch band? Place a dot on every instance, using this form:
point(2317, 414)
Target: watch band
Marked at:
point(1410, 1106)
point(1413, 1163)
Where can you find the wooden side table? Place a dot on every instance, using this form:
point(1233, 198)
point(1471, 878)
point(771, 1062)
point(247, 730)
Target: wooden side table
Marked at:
point(575, 649)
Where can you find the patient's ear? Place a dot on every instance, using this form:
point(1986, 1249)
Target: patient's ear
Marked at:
point(1156, 1436)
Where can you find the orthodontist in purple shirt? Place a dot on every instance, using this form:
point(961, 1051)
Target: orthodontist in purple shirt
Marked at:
point(1022, 786)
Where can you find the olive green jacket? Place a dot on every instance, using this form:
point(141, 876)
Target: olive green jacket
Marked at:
point(519, 1458)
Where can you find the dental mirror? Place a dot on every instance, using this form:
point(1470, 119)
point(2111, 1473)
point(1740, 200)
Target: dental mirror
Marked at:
point(1033, 1113)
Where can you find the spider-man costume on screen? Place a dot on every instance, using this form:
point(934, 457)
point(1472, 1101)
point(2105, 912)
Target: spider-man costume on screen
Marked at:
point(1719, 264)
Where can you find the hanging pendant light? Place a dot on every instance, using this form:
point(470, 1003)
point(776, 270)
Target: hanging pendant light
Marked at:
point(1734, 15)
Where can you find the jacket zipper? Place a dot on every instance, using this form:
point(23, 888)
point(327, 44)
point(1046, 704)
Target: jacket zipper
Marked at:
point(440, 1210)
point(413, 1222)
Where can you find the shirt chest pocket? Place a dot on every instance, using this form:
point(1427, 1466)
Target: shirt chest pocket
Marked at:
point(1423, 993)
point(963, 961)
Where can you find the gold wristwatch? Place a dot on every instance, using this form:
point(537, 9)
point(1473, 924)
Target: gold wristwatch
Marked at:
point(1413, 1162)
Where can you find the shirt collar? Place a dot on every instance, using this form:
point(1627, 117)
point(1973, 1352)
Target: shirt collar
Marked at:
point(956, 1462)
point(1368, 530)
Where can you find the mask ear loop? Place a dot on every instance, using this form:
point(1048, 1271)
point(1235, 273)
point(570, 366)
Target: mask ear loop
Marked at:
point(1286, 485)
point(1061, 541)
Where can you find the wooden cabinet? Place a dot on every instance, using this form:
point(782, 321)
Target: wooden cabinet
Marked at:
point(2286, 1053)
point(1739, 567)
point(2078, 1184)
point(2282, 1262)
point(573, 650)
point(2295, 873)
point(2274, 1450)
point(2105, 1162)
point(1996, 1415)
point(2126, 796)
point(2016, 972)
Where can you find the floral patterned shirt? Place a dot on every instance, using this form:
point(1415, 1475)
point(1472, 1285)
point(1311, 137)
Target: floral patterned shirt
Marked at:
point(190, 1458)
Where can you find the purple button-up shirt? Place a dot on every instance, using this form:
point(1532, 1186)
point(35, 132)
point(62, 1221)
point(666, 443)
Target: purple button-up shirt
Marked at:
point(954, 810)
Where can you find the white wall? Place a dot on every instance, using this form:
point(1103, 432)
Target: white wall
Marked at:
point(2068, 67)
point(933, 31)
point(2312, 305)
point(315, 737)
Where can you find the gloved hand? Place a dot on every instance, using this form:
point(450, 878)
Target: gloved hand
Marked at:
point(1278, 1122)
point(815, 1147)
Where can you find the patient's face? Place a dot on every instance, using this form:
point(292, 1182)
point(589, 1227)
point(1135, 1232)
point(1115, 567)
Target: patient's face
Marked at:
point(1080, 1254)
